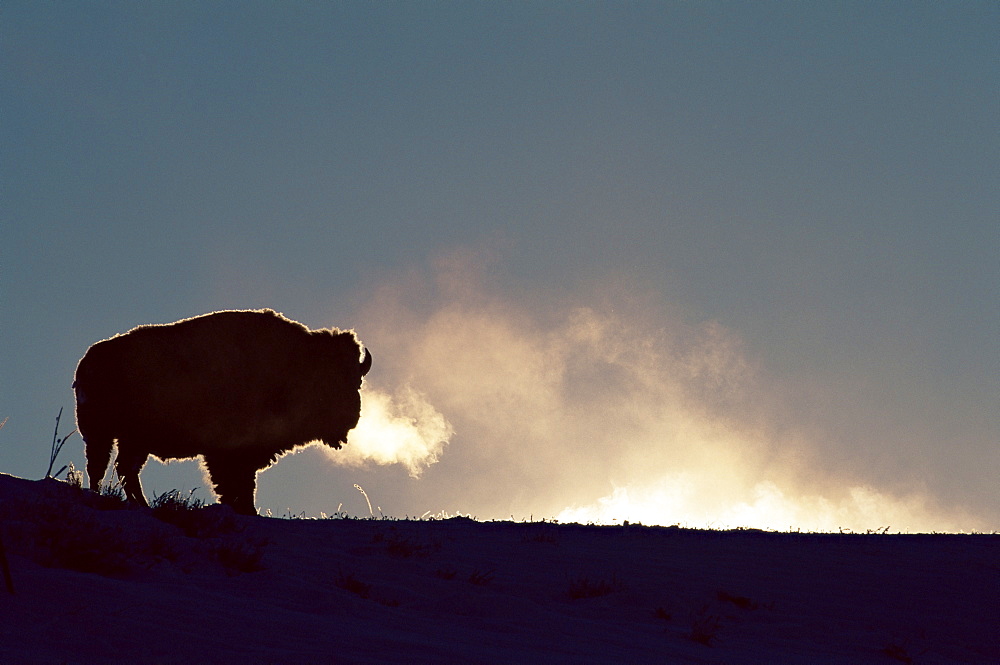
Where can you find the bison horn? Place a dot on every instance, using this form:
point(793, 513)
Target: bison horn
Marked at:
point(366, 362)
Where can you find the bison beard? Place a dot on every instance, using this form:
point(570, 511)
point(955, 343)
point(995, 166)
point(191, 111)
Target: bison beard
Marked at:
point(239, 388)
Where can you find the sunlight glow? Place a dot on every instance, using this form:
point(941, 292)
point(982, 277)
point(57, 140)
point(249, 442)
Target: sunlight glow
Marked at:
point(767, 506)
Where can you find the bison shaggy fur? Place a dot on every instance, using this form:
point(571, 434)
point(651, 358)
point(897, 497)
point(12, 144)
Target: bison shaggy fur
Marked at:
point(239, 388)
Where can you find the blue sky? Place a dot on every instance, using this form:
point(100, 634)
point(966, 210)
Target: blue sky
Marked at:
point(819, 182)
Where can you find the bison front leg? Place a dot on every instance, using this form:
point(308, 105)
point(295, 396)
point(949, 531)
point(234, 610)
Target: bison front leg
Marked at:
point(98, 441)
point(235, 483)
point(128, 465)
point(98, 453)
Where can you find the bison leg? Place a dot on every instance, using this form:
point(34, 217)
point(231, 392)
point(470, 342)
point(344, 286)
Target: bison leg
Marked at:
point(98, 442)
point(128, 465)
point(98, 451)
point(235, 483)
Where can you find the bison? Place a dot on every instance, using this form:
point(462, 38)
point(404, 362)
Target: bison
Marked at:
point(239, 388)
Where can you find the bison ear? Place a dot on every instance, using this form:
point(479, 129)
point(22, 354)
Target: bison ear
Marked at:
point(366, 362)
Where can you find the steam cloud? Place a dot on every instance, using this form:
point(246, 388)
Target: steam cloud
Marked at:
point(597, 407)
point(402, 429)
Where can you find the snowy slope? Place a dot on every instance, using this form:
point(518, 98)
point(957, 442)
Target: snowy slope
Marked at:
point(102, 586)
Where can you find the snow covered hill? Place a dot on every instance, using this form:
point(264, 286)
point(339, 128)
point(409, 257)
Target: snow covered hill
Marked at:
point(97, 583)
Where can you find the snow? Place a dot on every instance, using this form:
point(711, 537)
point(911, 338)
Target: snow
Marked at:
point(119, 585)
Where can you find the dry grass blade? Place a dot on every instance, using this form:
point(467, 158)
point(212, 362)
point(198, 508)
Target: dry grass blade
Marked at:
point(57, 445)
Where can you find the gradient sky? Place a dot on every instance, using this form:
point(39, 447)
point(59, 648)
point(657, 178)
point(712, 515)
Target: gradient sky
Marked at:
point(698, 263)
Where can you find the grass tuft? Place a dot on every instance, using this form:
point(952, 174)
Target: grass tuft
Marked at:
point(350, 583)
point(174, 501)
point(541, 536)
point(662, 613)
point(482, 579)
point(74, 476)
point(240, 556)
point(584, 587)
point(704, 626)
point(192, 516)
point(446, 573)
point(897, 652)
point(401, 547)
point(741, 602)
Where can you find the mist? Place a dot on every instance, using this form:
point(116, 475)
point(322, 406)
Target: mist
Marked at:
point(600, 405)
point(394, 429)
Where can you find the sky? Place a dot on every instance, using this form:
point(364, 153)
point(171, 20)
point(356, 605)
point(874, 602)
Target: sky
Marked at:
point(709, 264)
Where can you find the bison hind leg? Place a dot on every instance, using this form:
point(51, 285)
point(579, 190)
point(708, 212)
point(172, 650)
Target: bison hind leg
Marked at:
point(235, 482)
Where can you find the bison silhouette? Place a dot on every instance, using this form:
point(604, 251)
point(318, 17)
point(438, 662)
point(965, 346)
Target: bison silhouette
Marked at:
point(239, 388)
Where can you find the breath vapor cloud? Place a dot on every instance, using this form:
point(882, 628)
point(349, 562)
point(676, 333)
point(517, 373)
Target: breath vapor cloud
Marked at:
point(401, 428)
point(604, 406)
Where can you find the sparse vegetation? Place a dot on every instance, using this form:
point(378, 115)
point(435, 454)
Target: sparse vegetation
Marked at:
point(174, 501)
point(705, 626)
point(64, 531)
point(482, 579)
point(350, 583)
point(403, 547)
point(338, 514)
point(584, 587)
point(241, 556)
point(446, 573)
point(74, 476)
point(67, 540)
point(897, 652)
point(57, 446)
point(741, 602)
point(541, 536)
point(369, 501)
point(108, 496)
point(478, 569)
point(192, 516)
point(112, 490)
